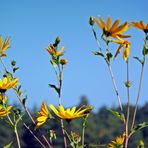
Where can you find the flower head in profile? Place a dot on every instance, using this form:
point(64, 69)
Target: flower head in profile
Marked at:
point(54, 52)
point(117, 143)
point(3, 99)
point(113, 30)
point(6, 84)
point(140, 25)
point(4, 109)
point(125, 45)
point(3, 46)
point(42, 115)
point(71, 113)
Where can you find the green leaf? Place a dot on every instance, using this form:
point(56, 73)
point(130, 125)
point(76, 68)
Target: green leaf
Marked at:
point(54, 87)
point(24, 100)
point(116, 114)
point(139, 60)
point(15, 69)
point(98, 53)
point(138, 127)
point(145, 51)
point(8, 145)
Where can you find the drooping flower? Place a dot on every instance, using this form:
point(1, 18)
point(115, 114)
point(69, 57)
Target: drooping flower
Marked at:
point(113, 30)
point(3, 46)
point(4, 111)
point(42, 115)
point(118, 143)
point(54, 52)
point(125, 45)
point(3, 99)
point(71, 113)
point(140, 25)
point(6, 84)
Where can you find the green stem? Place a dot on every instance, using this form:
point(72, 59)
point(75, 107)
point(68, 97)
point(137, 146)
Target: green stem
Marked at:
point(17, 137)
point(83, 131)
point(128, 109)
point(30, 116)
point(139, 90)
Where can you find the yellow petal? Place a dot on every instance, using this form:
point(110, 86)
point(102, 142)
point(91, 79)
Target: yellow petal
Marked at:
point(114, 26)
point(118, 51)
point(126, 53)
point(98, 23)
point(108, 23)
point(1, 42)
point(41, 118)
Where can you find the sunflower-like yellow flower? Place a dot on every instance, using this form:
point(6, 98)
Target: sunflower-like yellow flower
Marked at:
point(72, 113)
point(113, 30)
point(3, 46)
point(54, 52)
point(42, 116)
point(125, 45)
point(3, 100)
point(6, 84)
point(4, 109)
point(140, 25)
point(118, 143)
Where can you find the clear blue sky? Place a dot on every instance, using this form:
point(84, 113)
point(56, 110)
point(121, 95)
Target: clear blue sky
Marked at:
point(33, 24)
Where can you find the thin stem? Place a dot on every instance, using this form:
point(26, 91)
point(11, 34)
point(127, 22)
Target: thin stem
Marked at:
point(98, 43)
point(138, 96)
point(59, 78)
point(3, 64)
point(128, 108)
point(17, 137)
point(83, 131)
point(30, 116)
point(27, 127)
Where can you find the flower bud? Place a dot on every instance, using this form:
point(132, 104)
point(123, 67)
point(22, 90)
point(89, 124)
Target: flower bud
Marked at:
point(91, 21)
point(63, 61)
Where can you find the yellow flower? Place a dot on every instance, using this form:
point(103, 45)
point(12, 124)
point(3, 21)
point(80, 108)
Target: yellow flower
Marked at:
point(7, 84)
point(42, 116)
point(112, 30)
point(140, 25)
point(53, 52)
point(123, 44)
point(4, 111)
point(3, 100)
point(72, 113)
point(3, 46)
point(117, 143)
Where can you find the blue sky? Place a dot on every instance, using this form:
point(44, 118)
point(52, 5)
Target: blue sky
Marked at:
point(33, 24)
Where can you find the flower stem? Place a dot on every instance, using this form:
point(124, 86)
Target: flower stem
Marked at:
point(139, 90)
point(128, 108)
point(30, 116)
point(83, 131)
point(17, 137)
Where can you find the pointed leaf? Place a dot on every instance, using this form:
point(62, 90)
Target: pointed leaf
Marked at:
point(116, 114)
point(138, 127)
point(54, 87)
point(8, 145)
point(139, 60)
point(98, 53)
